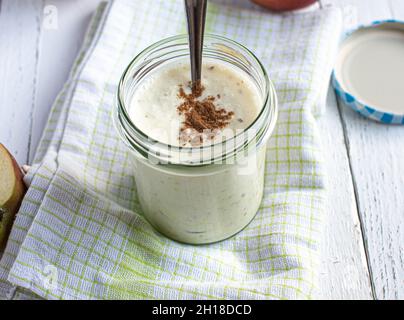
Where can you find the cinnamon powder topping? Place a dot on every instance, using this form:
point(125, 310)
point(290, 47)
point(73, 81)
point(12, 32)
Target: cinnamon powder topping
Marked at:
point(200, 115)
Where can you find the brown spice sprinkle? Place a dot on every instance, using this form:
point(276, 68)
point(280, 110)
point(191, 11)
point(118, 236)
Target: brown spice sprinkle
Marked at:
point(201, 115)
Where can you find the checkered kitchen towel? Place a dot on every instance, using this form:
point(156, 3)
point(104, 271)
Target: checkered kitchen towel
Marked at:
point(80, 232)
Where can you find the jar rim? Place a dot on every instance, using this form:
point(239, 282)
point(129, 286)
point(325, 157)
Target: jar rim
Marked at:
point(269, 101)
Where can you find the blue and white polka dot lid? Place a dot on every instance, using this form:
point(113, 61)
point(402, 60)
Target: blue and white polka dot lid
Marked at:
point(369, 72)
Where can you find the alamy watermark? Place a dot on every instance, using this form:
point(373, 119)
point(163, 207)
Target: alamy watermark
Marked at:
point(50, 277)
point(238, 147)
point(50, 20)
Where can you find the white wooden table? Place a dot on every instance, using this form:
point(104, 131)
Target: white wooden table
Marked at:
point(363, 246)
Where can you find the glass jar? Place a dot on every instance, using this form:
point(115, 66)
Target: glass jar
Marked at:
point(200, 194)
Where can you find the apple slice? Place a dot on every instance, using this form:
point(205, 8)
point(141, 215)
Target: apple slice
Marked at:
point(284, 5)
point(12, 190)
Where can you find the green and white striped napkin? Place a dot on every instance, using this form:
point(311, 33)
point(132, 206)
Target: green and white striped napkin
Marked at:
point(80, 232)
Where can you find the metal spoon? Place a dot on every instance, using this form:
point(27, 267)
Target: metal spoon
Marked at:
point(196, 14)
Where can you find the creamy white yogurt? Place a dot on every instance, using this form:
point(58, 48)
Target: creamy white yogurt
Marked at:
point(196, 204)
point(200, 205)
point(153, 107)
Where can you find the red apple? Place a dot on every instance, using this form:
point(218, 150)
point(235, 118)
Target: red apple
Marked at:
point(12, 190)
point(283, 5)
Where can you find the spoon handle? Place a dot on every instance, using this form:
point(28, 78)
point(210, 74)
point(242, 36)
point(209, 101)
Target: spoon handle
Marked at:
point(196, 13)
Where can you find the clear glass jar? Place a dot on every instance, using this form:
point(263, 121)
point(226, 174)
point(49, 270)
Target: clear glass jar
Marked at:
point(203, 194)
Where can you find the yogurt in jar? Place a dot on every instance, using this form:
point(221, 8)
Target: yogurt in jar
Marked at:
point(188, 201)
point(196, 205)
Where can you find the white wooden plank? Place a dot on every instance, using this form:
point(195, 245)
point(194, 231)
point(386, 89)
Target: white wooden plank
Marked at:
point(344, 272)
point(377, 159)
point(19, 33)
point(397, 9)
point(368, 10)
point(63, 29)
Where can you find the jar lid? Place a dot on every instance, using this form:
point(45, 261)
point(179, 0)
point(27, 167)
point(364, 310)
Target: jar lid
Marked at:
point(369, 72)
